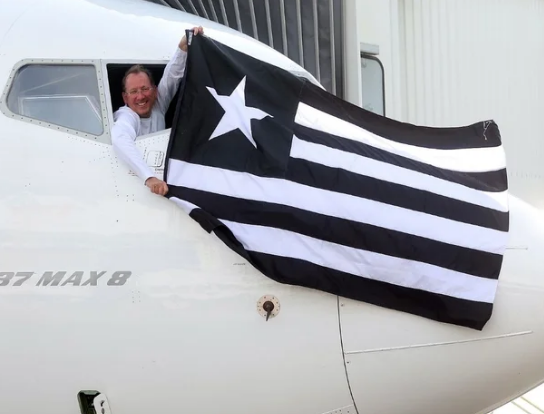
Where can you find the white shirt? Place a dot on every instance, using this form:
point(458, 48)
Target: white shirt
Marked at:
point(128, 125)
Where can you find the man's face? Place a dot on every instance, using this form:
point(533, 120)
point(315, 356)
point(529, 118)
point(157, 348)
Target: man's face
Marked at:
point(139, 94)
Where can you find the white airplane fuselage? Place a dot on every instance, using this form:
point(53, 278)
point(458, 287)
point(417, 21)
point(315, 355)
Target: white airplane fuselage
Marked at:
point(106, 287)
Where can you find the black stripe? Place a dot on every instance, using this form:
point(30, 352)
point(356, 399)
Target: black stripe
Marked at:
point(442, 308)
point(342, 181)
point(434, 306)
point(345, 232)
point(483, 134)
point(492, 181)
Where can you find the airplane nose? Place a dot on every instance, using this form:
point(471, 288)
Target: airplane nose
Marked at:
point(425, 363)
point(524, 260)
point(519, 303)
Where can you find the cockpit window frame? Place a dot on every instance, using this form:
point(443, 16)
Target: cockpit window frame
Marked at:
point(104, 137)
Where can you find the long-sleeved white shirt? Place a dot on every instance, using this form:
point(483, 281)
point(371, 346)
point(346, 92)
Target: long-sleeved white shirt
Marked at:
point(128, 125)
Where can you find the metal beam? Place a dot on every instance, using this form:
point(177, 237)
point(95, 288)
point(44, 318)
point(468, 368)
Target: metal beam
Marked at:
point(283, 28)
point(306, 20)
point(253, 19)
point(215, 19)
point(203, 9)
point(193, 7)
point(333, 47)
point(179, 5)
point(299, 29)
point(224, 12)
point(316, 42)
point(237, 13)
point(269, 23)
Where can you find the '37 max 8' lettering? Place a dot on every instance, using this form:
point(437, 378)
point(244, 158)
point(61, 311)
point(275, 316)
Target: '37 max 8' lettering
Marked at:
point(77, 278)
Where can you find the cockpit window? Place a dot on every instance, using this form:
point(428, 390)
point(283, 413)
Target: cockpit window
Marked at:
point(63, 95)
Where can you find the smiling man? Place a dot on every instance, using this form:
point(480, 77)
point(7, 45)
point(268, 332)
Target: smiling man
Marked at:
point(145, 107)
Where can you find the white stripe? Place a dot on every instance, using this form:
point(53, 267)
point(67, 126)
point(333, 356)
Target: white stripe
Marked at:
point(383, 171)
point(345, 206)
point(375, 266)
point(185, 205)
point(465, 160)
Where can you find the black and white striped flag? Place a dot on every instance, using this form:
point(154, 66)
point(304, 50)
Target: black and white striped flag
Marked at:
point(316, 192)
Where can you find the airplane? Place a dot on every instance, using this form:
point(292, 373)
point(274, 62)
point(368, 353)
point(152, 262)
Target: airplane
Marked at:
point(115, 301)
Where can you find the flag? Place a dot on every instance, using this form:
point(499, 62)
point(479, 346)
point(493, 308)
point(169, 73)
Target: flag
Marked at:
point(316, 192)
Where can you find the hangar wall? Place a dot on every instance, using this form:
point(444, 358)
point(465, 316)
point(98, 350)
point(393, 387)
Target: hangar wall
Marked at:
point(307, 31)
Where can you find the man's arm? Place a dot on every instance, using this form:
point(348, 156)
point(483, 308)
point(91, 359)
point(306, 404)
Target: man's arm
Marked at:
point(169, 83)
point(173, 73)
point(123, 135)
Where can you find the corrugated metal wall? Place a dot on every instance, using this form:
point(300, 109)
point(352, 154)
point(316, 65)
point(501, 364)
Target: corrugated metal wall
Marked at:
point(307, 31)
point(464, 61)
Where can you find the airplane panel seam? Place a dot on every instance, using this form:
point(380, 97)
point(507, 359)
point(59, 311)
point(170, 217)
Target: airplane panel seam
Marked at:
point(344, 354)
point(398, 348)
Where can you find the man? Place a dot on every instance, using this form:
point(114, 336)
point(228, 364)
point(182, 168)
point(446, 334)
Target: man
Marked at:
point(144, 110)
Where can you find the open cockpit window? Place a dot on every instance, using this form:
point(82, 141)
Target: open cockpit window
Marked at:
point(116, 72)
point(63, 95)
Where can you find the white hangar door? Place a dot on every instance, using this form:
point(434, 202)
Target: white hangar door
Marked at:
point(465, 61)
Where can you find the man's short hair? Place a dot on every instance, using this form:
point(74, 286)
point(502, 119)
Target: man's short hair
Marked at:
point(135, 70)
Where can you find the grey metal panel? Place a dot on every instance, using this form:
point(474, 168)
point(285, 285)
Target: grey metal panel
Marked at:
point(269, 22)
point(212, 10)
point(204, 11)
point(299, 33)
point(236, 7)
point(253, 19)
point(307, 31)
point(339, 48)
point(265, 35)
point(224, 14)
point(277, 14)
point(316, 39)
point(291, 22)
point(244, 13)
point(283, 29)
point(325, 36)
point(190, 7)
point(177, 2)
point(332, 47)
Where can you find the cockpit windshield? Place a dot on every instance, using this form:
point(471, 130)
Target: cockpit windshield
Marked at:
point(63, 95)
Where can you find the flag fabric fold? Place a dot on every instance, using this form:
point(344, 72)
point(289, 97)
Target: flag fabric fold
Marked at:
point(316, 192)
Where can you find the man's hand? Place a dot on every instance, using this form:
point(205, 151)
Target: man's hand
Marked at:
point(183, 42)
point(156, 186)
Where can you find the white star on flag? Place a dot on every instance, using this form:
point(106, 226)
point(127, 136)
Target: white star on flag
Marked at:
point(237, 114)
